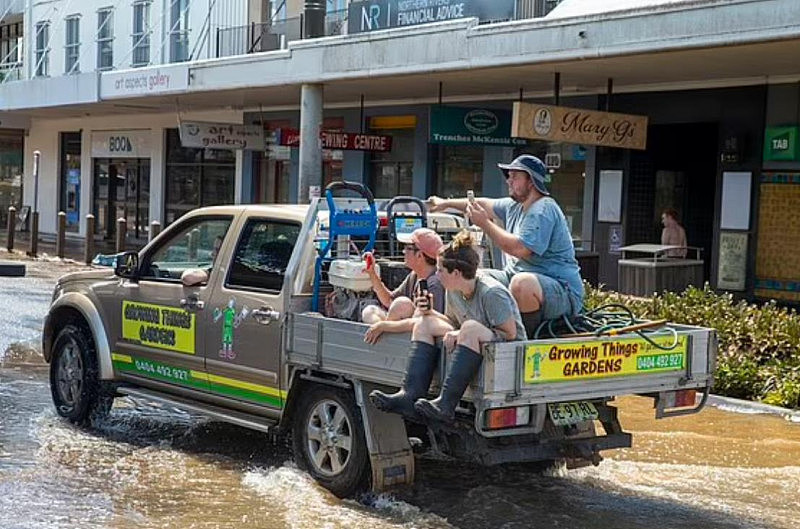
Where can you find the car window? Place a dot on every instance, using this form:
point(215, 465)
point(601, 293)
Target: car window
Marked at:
point(194, 246)
point(262, 254)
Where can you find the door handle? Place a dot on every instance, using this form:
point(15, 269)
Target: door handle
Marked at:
point(192, 303)
point(266, 315)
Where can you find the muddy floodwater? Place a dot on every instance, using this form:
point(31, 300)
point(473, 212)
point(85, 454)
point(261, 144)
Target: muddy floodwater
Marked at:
point(152, 466)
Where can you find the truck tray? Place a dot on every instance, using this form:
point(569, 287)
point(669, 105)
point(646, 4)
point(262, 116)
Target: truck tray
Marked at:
point(566, 369)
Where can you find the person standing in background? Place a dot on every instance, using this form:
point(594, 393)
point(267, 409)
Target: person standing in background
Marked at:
point(673, 233)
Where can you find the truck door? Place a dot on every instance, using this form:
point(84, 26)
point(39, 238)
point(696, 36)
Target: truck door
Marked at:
point(244, 338)
point(157, 340)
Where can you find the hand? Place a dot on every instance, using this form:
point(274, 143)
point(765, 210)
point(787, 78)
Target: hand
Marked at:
point(369, 265)
point(450, 338)
point(424, 303)
point(478, 215)
point(374, 332)
point(435, 204)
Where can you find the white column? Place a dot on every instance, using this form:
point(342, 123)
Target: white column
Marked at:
point(238, 177)
point(158, 188)
point(87, 179)
point(310, 148)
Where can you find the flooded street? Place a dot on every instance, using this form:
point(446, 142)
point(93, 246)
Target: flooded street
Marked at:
point(151, 466)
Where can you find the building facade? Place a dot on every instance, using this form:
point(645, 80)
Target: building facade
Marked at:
point(411, 106)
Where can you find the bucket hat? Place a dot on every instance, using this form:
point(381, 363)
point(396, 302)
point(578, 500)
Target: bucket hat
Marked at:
point(531, 165)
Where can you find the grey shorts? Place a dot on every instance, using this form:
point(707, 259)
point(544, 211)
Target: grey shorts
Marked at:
point(557, 300)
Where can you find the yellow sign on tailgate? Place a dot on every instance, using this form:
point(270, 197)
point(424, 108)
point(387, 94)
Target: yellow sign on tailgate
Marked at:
point(158, 326)
point(587, 359)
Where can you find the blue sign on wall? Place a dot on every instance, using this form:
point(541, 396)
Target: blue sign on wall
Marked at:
point(373, 15)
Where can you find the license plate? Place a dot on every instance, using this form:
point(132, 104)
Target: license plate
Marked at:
point(566, 413)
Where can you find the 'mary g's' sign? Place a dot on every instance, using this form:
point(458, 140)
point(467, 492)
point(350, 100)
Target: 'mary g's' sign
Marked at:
point(576, 125)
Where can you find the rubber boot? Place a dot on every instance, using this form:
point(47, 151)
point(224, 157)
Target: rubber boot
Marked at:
point(466, 363)
point(422, 361)
point(532, 321)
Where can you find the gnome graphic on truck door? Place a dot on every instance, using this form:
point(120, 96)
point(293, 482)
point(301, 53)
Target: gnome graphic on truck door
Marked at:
point(230, 320)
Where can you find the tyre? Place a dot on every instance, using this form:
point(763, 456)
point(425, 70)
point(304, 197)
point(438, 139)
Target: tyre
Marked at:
point(78, 394)
point(328, 440)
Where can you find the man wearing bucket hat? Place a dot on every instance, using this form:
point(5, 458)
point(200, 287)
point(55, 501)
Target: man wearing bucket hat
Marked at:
point(541, 270)
point(421, 248)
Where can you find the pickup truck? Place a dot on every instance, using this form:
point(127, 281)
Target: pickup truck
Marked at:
point(215, 316)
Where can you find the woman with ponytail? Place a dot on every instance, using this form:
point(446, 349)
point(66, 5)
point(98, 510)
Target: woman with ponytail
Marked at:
point(478, 309)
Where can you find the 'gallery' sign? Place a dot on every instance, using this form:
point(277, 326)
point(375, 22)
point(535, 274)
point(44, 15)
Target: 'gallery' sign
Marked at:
point(222, 136)
point(372, 15)
point(576, 125)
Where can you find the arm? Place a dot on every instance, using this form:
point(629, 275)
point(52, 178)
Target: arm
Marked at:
point(507, 242)
point(508, 328)
point(440, 204)
point(383, 293)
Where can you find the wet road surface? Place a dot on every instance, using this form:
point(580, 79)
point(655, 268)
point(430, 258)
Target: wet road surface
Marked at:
point(151, 466)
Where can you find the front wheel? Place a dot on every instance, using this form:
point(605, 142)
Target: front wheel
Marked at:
point(78, 394)
point(328, 440)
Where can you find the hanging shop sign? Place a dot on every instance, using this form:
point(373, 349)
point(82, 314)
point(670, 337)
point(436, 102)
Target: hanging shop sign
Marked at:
point(780, 144)
point(577, 125)
point(222, 136)
point(342, 141)
point(373, 15)
point(130, 83)
point(121, 143)
point(471, 126)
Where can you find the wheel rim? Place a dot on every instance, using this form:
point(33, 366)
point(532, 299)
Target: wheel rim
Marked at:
point(69, 379)
point(330, 438)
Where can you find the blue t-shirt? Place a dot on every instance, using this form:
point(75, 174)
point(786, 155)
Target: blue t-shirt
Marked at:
point(544, 231)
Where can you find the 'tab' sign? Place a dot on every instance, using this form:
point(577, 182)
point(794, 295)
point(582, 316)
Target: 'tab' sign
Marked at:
point(373, 15)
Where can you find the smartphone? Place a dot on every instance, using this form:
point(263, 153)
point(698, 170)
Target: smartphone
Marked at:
point(423, 292)
point(471, 196)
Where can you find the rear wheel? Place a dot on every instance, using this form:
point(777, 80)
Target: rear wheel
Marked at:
point(328, 440)
point(78, 393)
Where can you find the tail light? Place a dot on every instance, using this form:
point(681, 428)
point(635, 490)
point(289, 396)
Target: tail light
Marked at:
point(498, 418)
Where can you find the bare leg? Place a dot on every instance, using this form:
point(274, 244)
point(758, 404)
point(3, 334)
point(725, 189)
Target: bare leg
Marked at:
point(373, 314)
point(400, 309)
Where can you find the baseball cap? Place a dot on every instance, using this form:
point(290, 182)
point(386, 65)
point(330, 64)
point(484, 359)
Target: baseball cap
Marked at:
point(427, 240)
point(531, 165)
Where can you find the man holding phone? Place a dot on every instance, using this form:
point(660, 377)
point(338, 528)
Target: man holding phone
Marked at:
point(421, 248)
point(541, 270)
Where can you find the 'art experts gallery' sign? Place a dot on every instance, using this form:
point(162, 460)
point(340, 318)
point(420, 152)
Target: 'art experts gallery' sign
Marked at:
point(373, 15)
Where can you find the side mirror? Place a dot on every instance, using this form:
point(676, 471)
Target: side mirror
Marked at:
point(127, 265)
point(194, 277)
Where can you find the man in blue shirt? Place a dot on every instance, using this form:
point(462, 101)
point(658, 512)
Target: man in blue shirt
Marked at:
point(541, 270)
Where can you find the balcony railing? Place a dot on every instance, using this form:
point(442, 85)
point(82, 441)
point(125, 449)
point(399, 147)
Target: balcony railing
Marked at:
point(11, 71)
point(268, 36)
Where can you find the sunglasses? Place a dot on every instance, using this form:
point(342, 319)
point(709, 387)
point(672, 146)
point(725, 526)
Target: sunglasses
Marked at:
point(410, 248)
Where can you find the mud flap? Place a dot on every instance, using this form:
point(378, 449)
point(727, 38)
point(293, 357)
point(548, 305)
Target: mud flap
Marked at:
point(390, 453)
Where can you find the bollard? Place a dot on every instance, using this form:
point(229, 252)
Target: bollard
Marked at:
point(155, 229)
point(12, 226)
point(34, 234)
point(61, 236)
point(122, 231)
point(88, 252)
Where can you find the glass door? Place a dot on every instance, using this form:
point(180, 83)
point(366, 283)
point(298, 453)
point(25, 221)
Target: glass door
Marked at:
point(122, 190)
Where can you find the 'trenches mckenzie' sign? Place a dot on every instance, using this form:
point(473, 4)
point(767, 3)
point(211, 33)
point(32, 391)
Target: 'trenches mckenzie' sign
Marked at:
point(343, 141)
point(577, 125)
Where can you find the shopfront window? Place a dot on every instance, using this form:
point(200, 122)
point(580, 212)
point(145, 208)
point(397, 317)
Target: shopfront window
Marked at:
point(122, 190)
point(10, 172)
point(567, 177)
point(196, 177)
point(391, 173)
point(70, 186)
point(459, 168)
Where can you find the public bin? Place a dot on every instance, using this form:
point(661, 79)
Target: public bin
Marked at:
point(645, 269)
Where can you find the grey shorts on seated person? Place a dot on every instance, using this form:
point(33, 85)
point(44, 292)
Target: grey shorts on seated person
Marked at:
point(556, 295)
